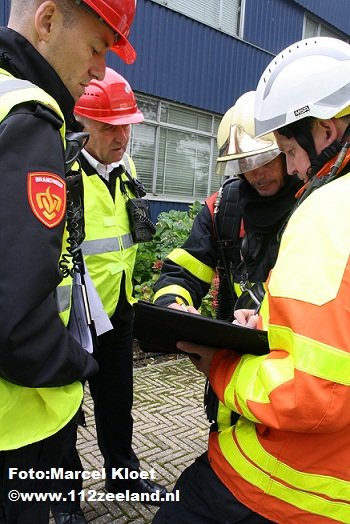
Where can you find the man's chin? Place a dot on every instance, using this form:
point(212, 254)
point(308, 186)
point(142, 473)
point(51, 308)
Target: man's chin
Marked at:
point(78, 92)
point(113, 159)
point(265, 192)
point(118, 155)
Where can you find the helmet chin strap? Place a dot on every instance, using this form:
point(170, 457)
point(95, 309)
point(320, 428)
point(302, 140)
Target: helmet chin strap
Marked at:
point(326, 154)
point(301, 132)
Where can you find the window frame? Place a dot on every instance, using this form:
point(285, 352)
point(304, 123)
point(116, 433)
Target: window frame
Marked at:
point(158, 124)
point(320, 24)
point(219, 27)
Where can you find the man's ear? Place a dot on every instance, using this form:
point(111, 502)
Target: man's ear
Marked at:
point(326, 130)
point(44, 17)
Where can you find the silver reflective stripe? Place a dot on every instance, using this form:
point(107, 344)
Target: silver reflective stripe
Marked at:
point(97, 247)
point(265, 126)
point(14, 85)
point(106, 245)
point(63, 294)
point(127, 240)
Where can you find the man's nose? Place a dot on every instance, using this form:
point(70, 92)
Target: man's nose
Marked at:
point(98, 68)
point(259, 172)
point(290, 168)
point(122, 131)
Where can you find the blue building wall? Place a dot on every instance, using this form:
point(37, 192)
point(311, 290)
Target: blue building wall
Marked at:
point(182, 60)
point(4, 11)
point(185, 61)
point(334, 12)
point(160, 206)
point(273, 24)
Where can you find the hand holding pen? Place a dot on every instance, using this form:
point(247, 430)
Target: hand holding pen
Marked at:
point(246, 317)
point(181, 305)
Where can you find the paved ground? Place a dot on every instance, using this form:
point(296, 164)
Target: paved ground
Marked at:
point(170, 430)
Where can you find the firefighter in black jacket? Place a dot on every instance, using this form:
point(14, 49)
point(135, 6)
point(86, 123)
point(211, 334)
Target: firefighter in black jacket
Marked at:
point(236, 234)
point(48, 53)
point(237, 231)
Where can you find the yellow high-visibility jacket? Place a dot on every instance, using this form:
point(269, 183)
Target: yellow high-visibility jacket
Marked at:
point(108, 248)
point(287, 458)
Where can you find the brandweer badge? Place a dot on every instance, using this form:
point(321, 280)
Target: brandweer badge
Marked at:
point(47, 197)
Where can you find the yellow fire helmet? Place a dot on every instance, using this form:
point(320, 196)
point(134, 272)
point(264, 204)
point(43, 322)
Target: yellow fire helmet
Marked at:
point(239, 151)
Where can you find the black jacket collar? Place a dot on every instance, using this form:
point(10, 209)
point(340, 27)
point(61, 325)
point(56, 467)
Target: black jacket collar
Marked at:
point(86, 166)
point(22, 60)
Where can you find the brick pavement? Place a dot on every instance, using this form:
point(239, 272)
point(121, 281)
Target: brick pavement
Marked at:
point(170, 430)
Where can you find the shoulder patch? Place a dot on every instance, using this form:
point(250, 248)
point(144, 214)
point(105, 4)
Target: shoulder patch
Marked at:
point(47, 197)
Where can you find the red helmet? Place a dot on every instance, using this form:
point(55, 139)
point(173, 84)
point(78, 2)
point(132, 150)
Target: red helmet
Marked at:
point(110, 100)
point(118, 14)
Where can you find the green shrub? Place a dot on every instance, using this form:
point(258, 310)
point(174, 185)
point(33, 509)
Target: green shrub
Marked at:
point(172, 229)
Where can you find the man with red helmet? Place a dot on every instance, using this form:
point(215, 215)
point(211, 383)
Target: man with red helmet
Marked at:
point(49, 52)
point(106, 111)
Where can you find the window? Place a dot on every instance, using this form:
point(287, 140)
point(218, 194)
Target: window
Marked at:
point(220, 14)
point(175, 151)
point(312, 27)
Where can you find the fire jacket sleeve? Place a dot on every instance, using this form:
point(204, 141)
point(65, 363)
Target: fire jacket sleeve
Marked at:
point(36, 349)
point(303, 384)
point(189, 270)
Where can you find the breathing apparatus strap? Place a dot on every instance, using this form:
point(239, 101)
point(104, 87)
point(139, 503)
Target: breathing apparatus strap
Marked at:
point(226, 227)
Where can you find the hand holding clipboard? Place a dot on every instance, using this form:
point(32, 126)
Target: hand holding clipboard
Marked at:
point(159, 328)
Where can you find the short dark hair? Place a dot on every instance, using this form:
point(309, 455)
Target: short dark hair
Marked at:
point(301, 130)
point(20, 8)
point(69, 10)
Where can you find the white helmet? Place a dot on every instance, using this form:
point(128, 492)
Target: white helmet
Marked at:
point(309, 78)
point(239, 151)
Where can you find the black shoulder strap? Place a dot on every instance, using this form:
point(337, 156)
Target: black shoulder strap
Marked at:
point(227, 222)
point(133, 184)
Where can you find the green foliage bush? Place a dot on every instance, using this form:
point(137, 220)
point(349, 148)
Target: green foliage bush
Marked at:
point(172, 229)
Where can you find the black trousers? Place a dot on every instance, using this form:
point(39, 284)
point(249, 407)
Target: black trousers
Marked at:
point(204, 500)
point(112, 392)
point(70, 461)
point(40, 456)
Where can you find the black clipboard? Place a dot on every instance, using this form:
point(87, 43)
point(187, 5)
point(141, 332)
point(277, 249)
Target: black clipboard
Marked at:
point(158, 328)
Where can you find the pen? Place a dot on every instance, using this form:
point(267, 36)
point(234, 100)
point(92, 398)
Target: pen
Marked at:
point(257, 309)
point(181, 303)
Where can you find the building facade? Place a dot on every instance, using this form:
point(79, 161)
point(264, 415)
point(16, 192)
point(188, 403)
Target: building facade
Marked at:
point(194, 59)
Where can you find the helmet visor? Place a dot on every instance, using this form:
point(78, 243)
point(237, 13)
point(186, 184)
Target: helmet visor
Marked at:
point(239, 166)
